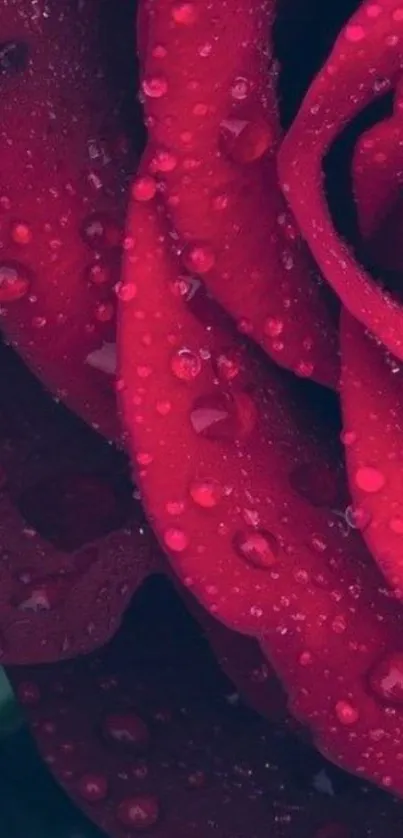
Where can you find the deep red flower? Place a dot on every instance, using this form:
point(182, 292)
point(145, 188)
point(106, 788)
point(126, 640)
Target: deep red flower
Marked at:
point(273, 485)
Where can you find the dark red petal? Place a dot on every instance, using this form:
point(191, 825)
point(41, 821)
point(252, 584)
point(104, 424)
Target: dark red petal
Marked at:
point(213, 133)
point(62, 198)
point(258, 555)
point(73, 547)
point(372, 398)
point(365, 62)
point(208, 768)
point(377, 169)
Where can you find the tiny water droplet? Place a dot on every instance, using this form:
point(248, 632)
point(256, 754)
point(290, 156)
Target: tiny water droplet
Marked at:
point(198, 258)
point(93, 787)
point(346, 713)
point(386, 678)
point(176, 539)
point(258, 548)
point(369, 479)
point(184, 13)
point(154, 86)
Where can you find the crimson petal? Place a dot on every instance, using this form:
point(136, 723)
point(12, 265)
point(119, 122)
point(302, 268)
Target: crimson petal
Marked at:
point(213, 133)
point(209, 454)
point(366, 61)
point(64, 165)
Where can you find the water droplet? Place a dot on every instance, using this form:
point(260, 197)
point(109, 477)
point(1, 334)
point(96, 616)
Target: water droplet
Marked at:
point(396, 525)
point(104, 312)
point(273, 327)
point(164, 161)
point(100, 232)
point(198, 258)
point(386, 678)
point(240, 89)
point(186, 365)
point(346, 713)
point(369, 479)
point(354, 33)
point(21, 233)
point(244, 141)
point(185, 13)
point(258, 548)
point(144, 188)
point(139, 813)
point(43, 595)
point(99, 273)
point(196, 780)
point(176, 539)
point(223, 416)
point(126, 292)
point(154, 86)
point(126, 729)
point(13, 56)
point(206, 493)
point(15, 281)
point(357, 517)
point(227, 364)
point(93, 787)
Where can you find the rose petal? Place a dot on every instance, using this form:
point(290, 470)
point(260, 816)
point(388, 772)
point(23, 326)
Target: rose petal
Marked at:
point(366, 61)
point(73, 547)
point(64, 169)
point(147, 730)
point(213, 132)
point(259, 556)
point(372, 399)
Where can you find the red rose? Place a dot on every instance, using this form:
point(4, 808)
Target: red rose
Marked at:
point(271, 481)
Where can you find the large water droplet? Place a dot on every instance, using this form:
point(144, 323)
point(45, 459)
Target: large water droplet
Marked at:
point(206, 493)
point(369, 479)
point(244, 141)
point(184, 13)
point(198, 258)
point(154, 86)
point(15, 281)
point(185, 364)
point(176, 539)
point(258, 548)
point(240, 89)
point(227, 364)
point(223, 416)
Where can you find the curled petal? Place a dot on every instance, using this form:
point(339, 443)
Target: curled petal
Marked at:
point(366, 61)
point(213, 135)
point(257, 543)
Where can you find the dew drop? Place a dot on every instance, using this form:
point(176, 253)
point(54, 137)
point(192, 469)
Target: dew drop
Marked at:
point(164, 161)
point(206, 493)
point(396, 525)
point(227, 364)
point(184, 13)
point(154, 86)
point(221, 416)
point(244, 141)
point(354, 33)
point(357, 517)
point(139, 813)
point(240, 89)
point(144, 188)
point(198, 258)
point(369, 479)
point(386, 678)
point(93, 787)
point(346, 713)
point(186, 365)
point(100, 232)
point(21, 233)
point(15, 281)
point(258, 548)
point(176, 539)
